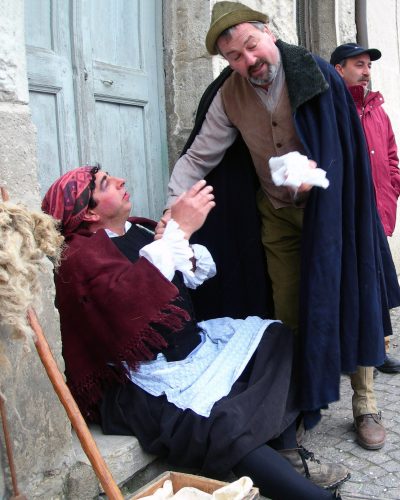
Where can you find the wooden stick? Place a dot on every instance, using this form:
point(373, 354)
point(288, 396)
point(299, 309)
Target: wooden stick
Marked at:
point(4, 193)
point(10, 455)
point(85, 437)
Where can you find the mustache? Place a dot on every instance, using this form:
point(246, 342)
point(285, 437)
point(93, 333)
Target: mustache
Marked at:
point(364, 79)
point(256, 65)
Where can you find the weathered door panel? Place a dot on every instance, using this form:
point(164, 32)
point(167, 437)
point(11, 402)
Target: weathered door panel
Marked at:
point(120, 129)
point(117, 103)
point(124, 71)
point(51, 87)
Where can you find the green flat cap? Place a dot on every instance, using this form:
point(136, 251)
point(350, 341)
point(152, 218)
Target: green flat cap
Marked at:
point(227, 14)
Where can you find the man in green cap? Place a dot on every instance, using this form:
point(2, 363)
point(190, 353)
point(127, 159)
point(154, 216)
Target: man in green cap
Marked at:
point(330, 267)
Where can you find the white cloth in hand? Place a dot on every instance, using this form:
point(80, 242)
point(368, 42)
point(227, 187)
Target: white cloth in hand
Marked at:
point(173, 253)
point(170, 253)
point(293, 169)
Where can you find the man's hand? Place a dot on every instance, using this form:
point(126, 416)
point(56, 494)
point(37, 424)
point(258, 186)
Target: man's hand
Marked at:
point(303, 188)
point(162, 224)
point(190, 209)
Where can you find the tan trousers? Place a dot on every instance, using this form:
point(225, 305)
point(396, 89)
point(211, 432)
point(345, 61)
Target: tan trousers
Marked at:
point(281, 233)
point(362, 382)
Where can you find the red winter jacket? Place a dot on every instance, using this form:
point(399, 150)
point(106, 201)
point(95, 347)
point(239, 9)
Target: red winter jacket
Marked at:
point(382, 151)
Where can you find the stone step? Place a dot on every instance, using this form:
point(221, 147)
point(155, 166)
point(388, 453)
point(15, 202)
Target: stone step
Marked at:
point(122, 454)
point(130, 466)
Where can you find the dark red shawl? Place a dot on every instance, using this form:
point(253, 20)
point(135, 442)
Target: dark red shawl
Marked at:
point(109, 309)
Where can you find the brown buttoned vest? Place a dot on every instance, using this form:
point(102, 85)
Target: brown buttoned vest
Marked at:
point(266, 134)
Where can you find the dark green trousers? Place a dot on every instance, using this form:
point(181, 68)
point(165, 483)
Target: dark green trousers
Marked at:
point(281, 235)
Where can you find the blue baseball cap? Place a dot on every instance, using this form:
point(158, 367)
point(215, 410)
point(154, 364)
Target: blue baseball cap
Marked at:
point(351, 50)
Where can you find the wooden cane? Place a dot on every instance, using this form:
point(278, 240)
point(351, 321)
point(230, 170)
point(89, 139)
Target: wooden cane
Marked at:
point(4, 193)
point(85, 437)
point(10, 456)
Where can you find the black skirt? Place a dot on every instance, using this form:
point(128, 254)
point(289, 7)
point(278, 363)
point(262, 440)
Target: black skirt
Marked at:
point(259, 407)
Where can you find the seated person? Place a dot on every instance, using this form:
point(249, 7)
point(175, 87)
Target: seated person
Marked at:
point(217, 395)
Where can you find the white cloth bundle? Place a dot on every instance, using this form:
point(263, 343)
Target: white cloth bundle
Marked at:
point(237, 490)
point(293, 169)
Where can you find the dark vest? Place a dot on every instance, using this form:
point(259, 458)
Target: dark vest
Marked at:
point(182, 342)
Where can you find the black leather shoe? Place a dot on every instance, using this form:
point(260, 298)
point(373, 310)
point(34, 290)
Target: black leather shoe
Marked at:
point(390, 365)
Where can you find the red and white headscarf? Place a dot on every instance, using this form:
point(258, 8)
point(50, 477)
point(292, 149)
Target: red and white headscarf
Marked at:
point(68, 198)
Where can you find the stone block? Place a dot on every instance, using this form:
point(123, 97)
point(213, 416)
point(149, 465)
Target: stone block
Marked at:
point(13, 81)
point(122, 454)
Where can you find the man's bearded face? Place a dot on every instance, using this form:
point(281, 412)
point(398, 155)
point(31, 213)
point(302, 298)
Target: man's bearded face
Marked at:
point(252, 53)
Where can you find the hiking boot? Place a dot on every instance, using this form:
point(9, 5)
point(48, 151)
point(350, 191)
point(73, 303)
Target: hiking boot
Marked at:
point(324, 475)
point(390, 365)
point(371, 434)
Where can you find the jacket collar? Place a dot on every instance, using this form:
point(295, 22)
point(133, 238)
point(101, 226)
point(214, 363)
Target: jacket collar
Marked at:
point(357, 91)
point(304, 79)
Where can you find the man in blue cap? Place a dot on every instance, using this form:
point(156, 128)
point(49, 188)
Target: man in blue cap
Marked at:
point(353, 63)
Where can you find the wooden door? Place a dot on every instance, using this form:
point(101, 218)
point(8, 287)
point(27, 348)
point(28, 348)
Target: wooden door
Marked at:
point(51, 87)
point(112, 91)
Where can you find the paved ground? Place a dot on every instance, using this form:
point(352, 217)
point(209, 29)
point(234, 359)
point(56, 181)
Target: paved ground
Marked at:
point(374, 474)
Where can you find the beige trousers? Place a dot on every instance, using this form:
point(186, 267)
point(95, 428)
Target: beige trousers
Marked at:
point(362, 382)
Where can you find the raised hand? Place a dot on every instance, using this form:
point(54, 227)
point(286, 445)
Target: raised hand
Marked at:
point(191, 208)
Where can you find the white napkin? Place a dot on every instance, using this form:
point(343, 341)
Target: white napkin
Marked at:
point(233, 491)
point(293, 169)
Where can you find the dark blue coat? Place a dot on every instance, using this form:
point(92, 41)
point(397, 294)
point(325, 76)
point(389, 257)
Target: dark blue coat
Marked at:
point(348, 280)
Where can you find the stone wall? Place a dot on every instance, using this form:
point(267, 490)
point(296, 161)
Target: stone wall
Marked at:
point(39, 427)
point(189, 69)
point(345, 22)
